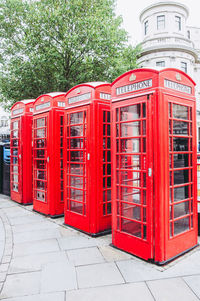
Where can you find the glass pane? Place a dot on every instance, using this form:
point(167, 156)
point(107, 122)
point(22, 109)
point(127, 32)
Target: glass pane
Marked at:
point(41, 174)
point(15, 142)
point(76, 194)
point(131, 227)
point(181, 209)
point(180, 128)
point(76, 130)
point(180, 112)
point(181, 160)
point(40, 143)
point(76, 169)
point(130, 145)
point(40, 164)
point(130, 129)
point(15, 125)
point(76, 143)
point(40, 122)
point(144, 110)
point(76, 156)
point(40, 133)
point(76, 207)
point(180, 144)
point(40, 153)
point(76, 182)
point(130, 178)
point(15, 134)
point(181, 193)
point(130, 112)
point(130, 195)
point(181, 176)
point(144, 127)
point(181, 225)
point(129, 161)
point(76, 118)
point(130, 211)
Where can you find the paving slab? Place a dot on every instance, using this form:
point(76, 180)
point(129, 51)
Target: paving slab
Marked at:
point(36, 235)
point(136, 270)
point(98, 275)
point(85, 256)
point(34, 262)
point(33, 218)
point(43, 224)
point(194, 283)
point(76, 242)
point(171, 290)
point(127, 292)
point(41, 297)
point(58, 276)
point(35, 247)
point(112, 254)
point(17, 211)
point(21, 285)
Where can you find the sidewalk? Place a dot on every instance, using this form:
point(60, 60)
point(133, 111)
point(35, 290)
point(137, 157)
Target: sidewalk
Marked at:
point(41, 260)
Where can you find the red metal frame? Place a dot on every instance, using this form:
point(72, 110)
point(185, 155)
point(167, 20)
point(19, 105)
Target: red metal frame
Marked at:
point(157, 227)
point(48, 121)
point(21, 152)
point(87, 182)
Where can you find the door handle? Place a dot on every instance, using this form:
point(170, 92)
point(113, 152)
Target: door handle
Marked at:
point(149, 172)
point(88, 156)
point(48, 159)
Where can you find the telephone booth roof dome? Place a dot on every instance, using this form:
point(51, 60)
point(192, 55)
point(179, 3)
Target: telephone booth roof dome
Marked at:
point(22, 102)
point(89, 84)
point(51, 94)
point(156, 70)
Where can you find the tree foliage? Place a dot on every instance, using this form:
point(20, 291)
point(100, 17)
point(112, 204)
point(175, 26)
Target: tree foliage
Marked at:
point(52, 45)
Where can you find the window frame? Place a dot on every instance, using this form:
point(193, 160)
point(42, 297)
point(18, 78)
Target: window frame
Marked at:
point(160, 22)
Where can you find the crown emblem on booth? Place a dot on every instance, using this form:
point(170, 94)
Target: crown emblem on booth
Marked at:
point(178, 76)
point(132, 77)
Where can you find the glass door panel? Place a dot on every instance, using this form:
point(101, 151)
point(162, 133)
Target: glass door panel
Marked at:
point(76, 162)
point(180, 174)
point(15, 153)
point(131, 170)
point(40, 159)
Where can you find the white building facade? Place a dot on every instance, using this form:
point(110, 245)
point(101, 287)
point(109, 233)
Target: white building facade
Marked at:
point(4, 125)
point(169, 42)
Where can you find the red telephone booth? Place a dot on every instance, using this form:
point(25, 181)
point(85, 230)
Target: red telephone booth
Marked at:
point(21, 152)
point(154, 164)
point(88, 158)
point(48, 118)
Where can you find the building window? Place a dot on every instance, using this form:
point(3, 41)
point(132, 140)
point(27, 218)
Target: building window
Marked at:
point(178, 22)
point(160, 22)
point(146, 26)
point(188, 34)
point(160, 64)
point(184, 67)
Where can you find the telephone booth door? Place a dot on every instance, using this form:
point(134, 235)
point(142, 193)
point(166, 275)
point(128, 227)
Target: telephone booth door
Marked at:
point(40, 158)
point(181, 211)
point(77, 156)
point(15, 160)
point(132, 176)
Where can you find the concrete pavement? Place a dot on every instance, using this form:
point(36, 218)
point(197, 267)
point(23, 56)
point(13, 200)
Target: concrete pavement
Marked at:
point(43, 260)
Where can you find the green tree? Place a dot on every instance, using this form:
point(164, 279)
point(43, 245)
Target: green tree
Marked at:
point(52, 45)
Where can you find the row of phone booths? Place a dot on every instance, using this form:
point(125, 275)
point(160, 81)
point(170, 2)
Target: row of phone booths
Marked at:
point(118, 156)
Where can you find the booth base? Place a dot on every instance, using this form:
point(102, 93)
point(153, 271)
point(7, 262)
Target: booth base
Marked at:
point(198, 224)
point(105, 232)
point(49, 215)
point(158, 262)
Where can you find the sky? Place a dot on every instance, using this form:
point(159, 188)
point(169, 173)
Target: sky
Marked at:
point(130, 11)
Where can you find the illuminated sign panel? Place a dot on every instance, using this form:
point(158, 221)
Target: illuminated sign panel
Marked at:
point(178, 87)
point(42, 106)
point(78, 98)
point(18, 111)
point(134, 87)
